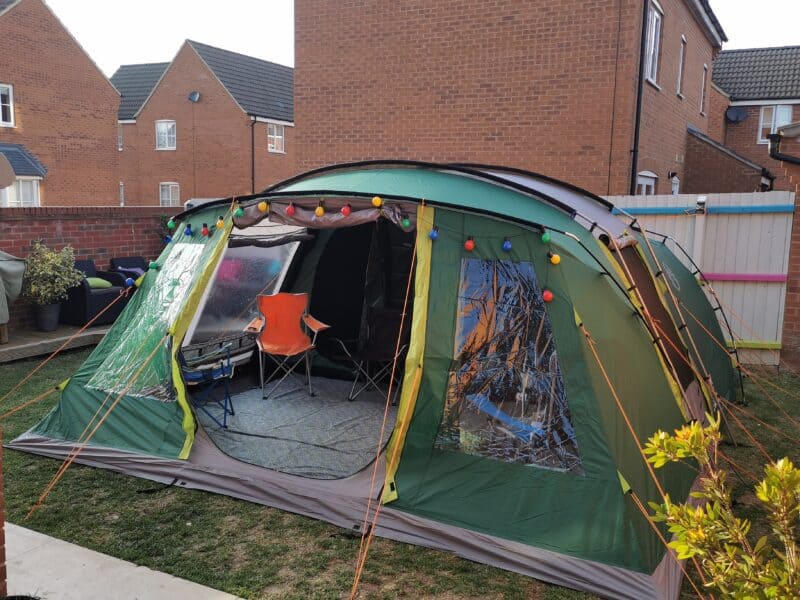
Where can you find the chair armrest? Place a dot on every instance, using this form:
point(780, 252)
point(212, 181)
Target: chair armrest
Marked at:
point(254, 326)
point(315, 325)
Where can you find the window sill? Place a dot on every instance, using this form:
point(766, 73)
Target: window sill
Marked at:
point(763, 142)
point(653, 83)
point(276, 151)
point(12, 125)
point(166, 149)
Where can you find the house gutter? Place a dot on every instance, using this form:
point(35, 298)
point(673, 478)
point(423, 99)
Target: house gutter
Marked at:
point(775, 150)
point(639, 98)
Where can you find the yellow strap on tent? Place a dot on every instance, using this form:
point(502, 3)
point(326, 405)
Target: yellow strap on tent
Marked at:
point(673, 384)
point(181, 326)
point(416, 351)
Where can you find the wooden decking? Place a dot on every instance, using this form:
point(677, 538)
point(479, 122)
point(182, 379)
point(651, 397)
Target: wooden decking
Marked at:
point(24, 343)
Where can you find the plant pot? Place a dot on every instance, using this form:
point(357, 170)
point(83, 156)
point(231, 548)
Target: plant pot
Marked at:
point(46, 316)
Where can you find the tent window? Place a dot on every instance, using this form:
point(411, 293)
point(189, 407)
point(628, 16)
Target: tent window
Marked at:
point(505, 396)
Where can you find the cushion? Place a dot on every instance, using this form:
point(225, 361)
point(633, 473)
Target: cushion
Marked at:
point(136, 270)
point(96, 283)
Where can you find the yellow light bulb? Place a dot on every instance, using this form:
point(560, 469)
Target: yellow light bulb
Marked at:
point(377, 201)
point(263, 206)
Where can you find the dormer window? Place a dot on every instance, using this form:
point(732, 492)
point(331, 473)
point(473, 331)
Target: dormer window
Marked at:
point(166, 134)
point(6, 105)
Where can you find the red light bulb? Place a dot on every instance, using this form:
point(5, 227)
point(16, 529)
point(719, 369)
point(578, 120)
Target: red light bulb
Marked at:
point(204, 230)
point(346, 210)
point(547, 296)
point(290, 210)
point(469, 245)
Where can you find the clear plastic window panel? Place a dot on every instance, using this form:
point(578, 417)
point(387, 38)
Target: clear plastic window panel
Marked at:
point(505, 395)
point(145, 331)
point(244, 273)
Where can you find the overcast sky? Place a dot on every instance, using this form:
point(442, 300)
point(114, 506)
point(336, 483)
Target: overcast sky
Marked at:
point(116, 33)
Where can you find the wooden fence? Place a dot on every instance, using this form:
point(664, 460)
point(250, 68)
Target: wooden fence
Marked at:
point(741, 244)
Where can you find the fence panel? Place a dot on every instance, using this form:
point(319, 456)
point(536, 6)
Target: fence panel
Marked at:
point(741, 243)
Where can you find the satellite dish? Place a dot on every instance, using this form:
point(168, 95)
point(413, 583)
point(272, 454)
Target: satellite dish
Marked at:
point(7, 176)
point(736, 114)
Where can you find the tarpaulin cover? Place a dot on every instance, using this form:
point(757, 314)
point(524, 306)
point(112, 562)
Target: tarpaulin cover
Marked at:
point(11, 271)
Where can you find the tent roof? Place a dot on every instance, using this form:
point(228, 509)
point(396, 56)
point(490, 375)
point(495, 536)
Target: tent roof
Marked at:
point(516, 194)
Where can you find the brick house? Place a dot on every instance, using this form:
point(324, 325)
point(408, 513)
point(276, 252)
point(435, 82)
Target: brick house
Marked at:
point(763, 95)
point(57, 113)
point(600, 94)
point(208, 124)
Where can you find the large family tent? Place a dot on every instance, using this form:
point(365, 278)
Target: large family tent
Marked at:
point(548, 338)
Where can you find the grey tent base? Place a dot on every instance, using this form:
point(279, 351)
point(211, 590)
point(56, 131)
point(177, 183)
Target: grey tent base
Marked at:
point(343, 502)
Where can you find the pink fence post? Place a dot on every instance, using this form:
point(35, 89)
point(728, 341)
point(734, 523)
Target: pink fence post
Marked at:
point(3, 584)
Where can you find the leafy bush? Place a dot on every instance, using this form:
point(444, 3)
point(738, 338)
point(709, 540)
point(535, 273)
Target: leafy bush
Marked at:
point(711, 532)
point(50, 274)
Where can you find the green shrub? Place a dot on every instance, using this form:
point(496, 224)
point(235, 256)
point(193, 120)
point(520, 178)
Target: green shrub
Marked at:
point(50, 274)
point(715, 536)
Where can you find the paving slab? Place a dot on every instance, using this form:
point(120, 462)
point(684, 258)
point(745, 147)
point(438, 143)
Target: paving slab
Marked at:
point(51, 569)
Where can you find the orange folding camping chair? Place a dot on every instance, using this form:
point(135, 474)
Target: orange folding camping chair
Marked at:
point(284, 338)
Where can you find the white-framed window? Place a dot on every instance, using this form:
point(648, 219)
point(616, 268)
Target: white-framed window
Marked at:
point(646, 183)
point(6, 105)
point(676, 185)
point(169, 193)
point(119, 137)
point(703, 86)
point(24, 192)
point(121, 194)
point(773, 118)
point(166, 134)
point(276, 140)
point(681, 67)
point(655, 16)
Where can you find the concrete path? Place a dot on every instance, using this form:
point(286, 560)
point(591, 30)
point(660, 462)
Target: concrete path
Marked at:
point(51, 569)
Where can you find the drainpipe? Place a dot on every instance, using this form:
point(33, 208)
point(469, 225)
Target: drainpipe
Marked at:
point(252, 155)
point(639, 94)
point(775, 150)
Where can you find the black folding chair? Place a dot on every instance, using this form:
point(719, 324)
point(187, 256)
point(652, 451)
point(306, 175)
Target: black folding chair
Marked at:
point(375, 356)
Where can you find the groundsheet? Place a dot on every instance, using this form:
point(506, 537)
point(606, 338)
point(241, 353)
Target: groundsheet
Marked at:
point(323, 437)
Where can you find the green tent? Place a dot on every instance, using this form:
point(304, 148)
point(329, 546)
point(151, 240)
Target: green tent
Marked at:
point(543, 328)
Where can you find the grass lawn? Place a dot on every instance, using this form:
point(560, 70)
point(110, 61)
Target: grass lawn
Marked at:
point(258, 552)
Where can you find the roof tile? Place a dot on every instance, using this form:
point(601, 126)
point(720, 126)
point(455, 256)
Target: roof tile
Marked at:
point(759, 73)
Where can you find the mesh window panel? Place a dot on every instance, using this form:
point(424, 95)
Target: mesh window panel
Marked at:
point(505, 395)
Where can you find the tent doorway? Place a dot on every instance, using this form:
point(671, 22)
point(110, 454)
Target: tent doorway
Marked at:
point(348, 272)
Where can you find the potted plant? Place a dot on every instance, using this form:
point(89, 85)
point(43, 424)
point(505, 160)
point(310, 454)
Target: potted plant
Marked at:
point(48, 277)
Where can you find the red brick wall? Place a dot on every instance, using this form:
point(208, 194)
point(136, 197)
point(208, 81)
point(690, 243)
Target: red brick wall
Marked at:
point(742, 137)
point(64, 107)
point(711, 171)
point(528, 83)
point(96, 233)
point(548, 86)
point(720, 101)
point(790, 175)
point(213, 149)
point(665, 115)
